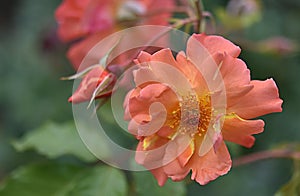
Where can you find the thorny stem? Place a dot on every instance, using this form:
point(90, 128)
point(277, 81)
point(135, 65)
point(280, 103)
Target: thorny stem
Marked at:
point(268, 154)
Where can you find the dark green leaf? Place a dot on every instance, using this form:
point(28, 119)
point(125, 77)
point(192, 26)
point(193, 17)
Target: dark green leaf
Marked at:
point(54, 140)
point(64, 180)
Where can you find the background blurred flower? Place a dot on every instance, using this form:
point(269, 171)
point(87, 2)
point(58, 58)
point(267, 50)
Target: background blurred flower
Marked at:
point(96, 83)
point(240, 14)
point(187, 134)
point(95, 19)
point(80, 18)
point(277, 45)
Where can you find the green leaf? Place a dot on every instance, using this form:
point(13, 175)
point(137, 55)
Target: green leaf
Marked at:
point(64, 180)
point(100, 181)
point(54, 140)
point(146, 185)
point(292, 188)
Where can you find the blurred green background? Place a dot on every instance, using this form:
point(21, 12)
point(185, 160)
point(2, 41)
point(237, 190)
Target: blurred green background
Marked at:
point(32, 60)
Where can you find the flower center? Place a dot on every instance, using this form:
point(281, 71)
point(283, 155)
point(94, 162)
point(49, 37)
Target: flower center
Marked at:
point(192, 116)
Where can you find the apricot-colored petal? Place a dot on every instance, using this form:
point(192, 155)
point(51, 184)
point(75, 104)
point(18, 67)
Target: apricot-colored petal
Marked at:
point(160, 176)
point(152, 93)
point(88, 85)
point(234, 72)
point(144, 75)
point(186, 155)
point(166, 70)
point(175, 170)
point(177, 154)
point(143, 57)
point(207, 64)
point(164, 56)
point(193, 75)
point(179, 176)
point(180, 148)
point(217, 44)
point(158, 118)
point(240, 131)
point(211, 165)
point(151, 161)
point(150, 151)
point(262, 99)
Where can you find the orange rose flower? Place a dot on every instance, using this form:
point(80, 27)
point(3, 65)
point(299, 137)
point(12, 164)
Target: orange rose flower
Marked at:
point(183, 109)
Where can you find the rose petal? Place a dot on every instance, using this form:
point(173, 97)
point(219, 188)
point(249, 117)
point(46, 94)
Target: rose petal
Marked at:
point(160, 176)
point(211, 165)
point(234, 72)
point(262, 99)
point(217, 44)
point(88, 85)
point(240, 131)
point(139, 105)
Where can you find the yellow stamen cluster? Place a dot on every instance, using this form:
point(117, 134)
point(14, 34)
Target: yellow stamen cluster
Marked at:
point(192, 116)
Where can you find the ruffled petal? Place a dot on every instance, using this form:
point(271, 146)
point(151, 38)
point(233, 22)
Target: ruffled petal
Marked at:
point(234, 72)
point(177, 169)
point(240, 131)
point(139, 104)
point(217, 44)
point(211, 165)
point(142, 58)
point(262, 99)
